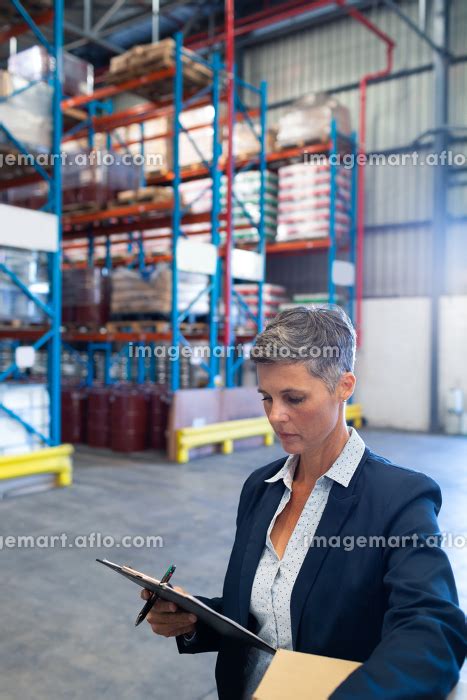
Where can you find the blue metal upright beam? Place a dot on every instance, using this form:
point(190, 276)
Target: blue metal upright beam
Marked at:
point(215, 237)
point(332, 212)
point(54, 369)
point(176, 215)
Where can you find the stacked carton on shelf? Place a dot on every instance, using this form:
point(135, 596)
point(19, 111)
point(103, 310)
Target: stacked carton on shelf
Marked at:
point(274, 296)
point(305, 201)
point(246, 205)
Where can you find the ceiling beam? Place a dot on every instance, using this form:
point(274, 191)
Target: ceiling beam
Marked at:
point(91, 37)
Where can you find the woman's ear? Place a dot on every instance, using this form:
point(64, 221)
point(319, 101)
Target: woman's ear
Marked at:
point(346, 386)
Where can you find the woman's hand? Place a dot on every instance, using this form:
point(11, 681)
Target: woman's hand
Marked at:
point(167, 619)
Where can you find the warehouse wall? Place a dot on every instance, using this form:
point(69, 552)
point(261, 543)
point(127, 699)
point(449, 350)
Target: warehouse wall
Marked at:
point(393, 364)
point(336, 54)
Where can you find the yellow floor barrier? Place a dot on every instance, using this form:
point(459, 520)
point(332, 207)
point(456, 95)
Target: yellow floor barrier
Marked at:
point(354, 414)
point(51, 460)
point(226, 432)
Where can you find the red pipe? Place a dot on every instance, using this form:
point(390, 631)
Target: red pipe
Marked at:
point(229, 61)
point(390, 44)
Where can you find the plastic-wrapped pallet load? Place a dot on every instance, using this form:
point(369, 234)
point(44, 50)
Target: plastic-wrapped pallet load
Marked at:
point(36, 64)
point(134, 294)
point(28, 115)
point(31, 268)
point(274, 296)
point(86, 297)
point(86, 181)
point(197, 195)
point(305, 202)
point(309, 120)
point(246, 143)
point(30, 401)
point(246, 205)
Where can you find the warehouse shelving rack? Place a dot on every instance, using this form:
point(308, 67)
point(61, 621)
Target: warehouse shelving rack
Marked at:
point(48, 337)
point(337, 250)
point(143, 216)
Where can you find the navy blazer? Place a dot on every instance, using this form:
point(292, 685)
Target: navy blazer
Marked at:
point(395, 608)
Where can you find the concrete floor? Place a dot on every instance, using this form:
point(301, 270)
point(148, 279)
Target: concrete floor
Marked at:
point(67, 623)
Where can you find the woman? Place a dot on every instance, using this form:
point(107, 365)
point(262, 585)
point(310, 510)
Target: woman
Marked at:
point(335, 550)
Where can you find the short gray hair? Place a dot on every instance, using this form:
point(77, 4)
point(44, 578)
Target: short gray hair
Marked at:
point(323, 338)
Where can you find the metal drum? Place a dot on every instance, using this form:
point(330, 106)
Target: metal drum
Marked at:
point(74, 410)
point(158, 416)
point(98, 418)
point(129, 419)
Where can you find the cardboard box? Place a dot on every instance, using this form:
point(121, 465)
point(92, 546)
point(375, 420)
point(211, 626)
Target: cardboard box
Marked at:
point(5, 83)
point(293, 674)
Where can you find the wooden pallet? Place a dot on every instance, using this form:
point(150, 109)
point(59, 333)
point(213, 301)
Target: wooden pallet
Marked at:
point(137, 326)
point(11, 323)
point(84, 328)
point(141, 60)
point(194, 328)
point(82, 207)
point(147, 194)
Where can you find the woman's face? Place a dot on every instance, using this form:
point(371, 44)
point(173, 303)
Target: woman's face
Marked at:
point(300, 407)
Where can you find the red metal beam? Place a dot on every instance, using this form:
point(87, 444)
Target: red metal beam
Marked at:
point(110, 90)
point(229, 170)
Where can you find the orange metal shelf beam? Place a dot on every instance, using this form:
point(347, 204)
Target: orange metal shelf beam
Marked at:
point(135, 115)
point(284, 248)
point(110, 90)
point(115, 213)
point(22, 27)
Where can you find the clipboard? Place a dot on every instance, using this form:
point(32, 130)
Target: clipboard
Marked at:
point(223, 625)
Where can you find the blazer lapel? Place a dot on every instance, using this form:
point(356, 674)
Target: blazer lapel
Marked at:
point(266, 507)
point(340, 503)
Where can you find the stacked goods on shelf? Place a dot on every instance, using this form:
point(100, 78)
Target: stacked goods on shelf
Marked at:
point(152, 294)
point(85, 297)
point(246, 143)
point(31, 196)
point(27, 114)
point(246, 205)
point(31, 268)
point(310, 119)
point(197, 195)
point(196, 145)
point(36, 64)
point(30, 401)
point(157, 143)
point(274, 296)
point(311, 299)
point(305, 202)
point(141, 60)
point(157, 195)
point(88, 182)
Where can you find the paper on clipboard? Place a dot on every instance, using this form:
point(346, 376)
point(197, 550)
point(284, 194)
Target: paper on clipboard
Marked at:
point(223, 625)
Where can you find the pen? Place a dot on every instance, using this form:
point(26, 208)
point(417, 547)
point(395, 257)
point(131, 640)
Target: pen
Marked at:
point(150, 602)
